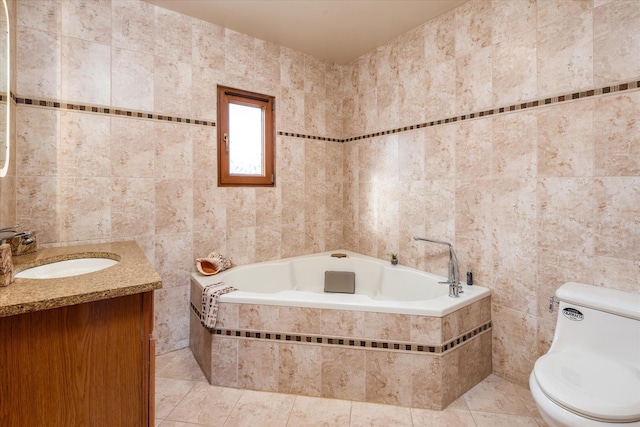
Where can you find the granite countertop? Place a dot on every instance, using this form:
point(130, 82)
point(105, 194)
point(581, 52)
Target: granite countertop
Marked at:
point(131, 275)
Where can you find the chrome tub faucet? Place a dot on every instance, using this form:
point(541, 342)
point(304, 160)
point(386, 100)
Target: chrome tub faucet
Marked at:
point(455, 288)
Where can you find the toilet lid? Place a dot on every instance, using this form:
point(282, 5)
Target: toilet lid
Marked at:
point(590, 385)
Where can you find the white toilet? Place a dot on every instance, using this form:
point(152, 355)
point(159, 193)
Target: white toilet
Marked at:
point(591, 374)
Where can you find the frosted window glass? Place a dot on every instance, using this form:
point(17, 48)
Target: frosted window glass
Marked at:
point(246, 146)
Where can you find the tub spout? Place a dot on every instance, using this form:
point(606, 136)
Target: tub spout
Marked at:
point(455, 288)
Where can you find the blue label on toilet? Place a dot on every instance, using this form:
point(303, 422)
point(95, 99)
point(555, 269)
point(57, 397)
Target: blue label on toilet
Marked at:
point(573, 314)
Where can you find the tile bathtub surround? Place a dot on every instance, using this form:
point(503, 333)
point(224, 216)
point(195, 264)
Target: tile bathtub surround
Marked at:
point(508, 189)
point(400, 378)
point(347, 340)
point(348, 323)
point(395, 359)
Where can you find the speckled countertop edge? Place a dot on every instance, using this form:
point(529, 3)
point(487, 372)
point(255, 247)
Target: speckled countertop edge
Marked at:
point(131, 275)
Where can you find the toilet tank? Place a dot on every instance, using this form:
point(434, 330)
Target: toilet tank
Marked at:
point(600, 321)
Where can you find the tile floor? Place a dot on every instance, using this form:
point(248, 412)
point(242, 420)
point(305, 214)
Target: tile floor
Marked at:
point(184, 398)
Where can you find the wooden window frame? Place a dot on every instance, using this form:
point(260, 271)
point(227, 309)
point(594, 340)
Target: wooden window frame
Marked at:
point(227, 95)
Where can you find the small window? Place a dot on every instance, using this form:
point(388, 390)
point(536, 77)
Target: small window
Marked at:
point(245, 138)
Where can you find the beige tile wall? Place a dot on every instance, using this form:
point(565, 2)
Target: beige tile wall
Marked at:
point(90, 177)
point(531, 199)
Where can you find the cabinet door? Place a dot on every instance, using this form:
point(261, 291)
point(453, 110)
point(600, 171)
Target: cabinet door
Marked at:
point(86, 364)
point(14, 365)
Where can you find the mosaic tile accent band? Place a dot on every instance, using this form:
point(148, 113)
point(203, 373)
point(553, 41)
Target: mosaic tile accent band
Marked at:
point(110, 111)
point(515, 107)
point(605, 90)
point(348, 342)
point(300, 135)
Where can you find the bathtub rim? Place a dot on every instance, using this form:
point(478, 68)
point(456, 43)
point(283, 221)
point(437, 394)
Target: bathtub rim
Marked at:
point(436, 307)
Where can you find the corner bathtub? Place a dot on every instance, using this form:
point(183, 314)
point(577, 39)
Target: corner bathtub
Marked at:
point(380, 287)
point(400, 339)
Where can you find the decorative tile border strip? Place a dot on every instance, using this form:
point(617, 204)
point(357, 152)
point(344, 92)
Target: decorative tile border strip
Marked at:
point(501, 110)
point(348, 342)
point(605, 90)
point(87, 108)
point(319, 138)
point(491, 112)
point(466, 337)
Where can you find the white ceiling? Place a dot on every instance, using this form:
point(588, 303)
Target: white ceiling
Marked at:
point(338, 31)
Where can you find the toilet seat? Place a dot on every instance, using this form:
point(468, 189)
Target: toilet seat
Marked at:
point(590, 385)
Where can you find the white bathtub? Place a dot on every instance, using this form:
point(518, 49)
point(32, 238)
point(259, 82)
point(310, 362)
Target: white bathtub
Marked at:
point(380, 286)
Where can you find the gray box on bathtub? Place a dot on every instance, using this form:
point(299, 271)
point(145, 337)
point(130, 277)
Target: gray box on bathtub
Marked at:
point(343, 282)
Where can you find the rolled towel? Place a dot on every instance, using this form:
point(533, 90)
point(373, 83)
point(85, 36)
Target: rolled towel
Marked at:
point(212, 264)
point(210, 295)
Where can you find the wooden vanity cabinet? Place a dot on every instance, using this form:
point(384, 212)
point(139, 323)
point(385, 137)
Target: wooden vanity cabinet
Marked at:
point(90, 364)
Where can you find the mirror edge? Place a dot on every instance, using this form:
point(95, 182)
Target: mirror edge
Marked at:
point(5, 167)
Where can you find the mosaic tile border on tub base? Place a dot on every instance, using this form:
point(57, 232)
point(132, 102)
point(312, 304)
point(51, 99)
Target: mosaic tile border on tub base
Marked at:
point(348, 342)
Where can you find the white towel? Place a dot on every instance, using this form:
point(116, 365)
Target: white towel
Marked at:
point(210, 294)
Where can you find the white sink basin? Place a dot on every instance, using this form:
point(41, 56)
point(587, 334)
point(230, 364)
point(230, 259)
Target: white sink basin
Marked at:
point(72, 267)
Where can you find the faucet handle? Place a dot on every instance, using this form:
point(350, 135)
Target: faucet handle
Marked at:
point(454, 290)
